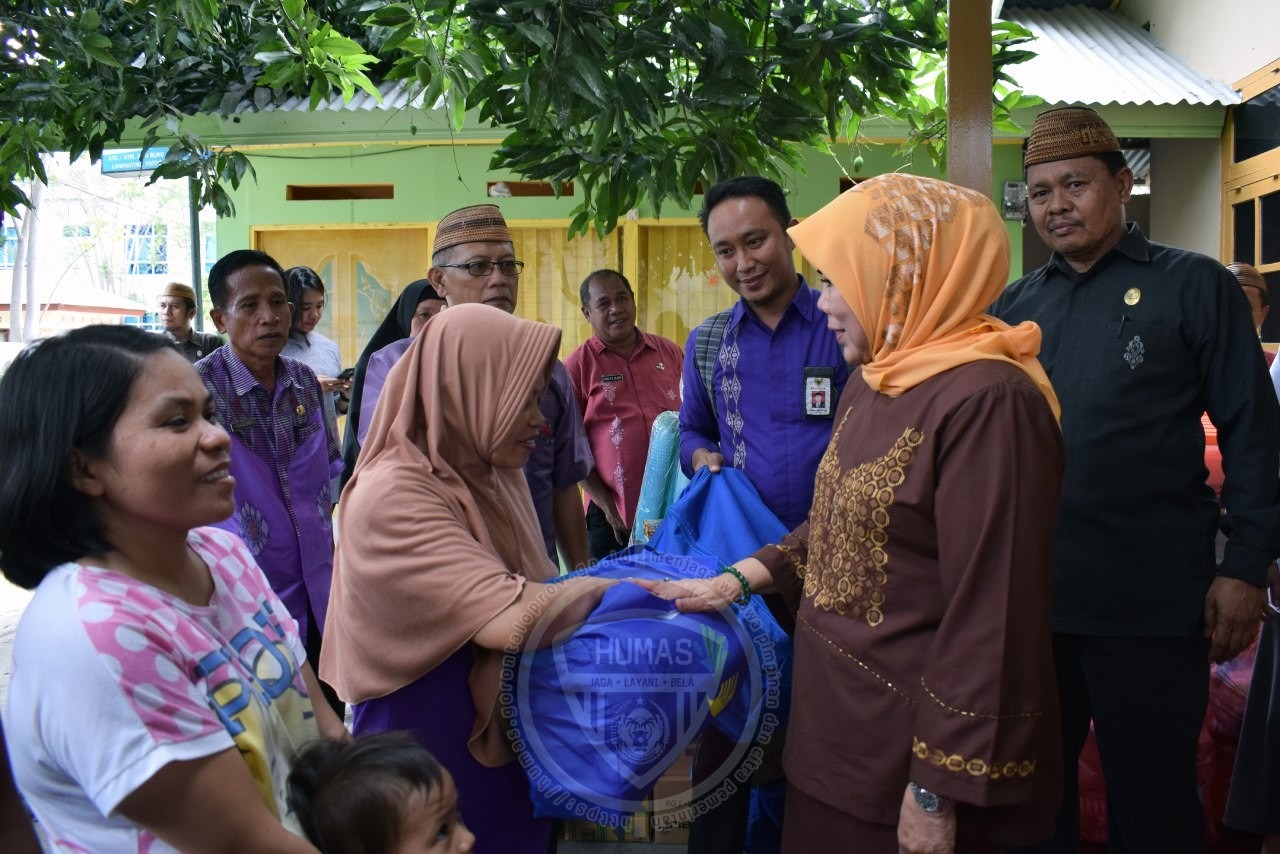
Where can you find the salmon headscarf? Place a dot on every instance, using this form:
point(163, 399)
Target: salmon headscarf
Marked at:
point(434, 540)
point(918, 260)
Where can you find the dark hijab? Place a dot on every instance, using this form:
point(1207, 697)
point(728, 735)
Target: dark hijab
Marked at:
point(395, 325)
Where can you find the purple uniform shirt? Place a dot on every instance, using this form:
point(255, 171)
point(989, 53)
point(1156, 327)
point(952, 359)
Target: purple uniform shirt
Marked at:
point(375, 376)
point(562, 456)
point(759, 422)
point(283, 457)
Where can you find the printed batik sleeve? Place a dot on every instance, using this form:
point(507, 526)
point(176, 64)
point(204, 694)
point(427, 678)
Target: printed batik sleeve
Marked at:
point(699, 428)
point(787, 562)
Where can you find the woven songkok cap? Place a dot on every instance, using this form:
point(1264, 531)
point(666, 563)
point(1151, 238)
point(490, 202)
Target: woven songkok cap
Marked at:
point(1066, 133)
point(177, 289)
point(476, 224)
point(1247, 275)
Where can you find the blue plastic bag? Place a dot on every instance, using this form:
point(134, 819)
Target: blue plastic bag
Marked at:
point(718, 514)
point(603, 713)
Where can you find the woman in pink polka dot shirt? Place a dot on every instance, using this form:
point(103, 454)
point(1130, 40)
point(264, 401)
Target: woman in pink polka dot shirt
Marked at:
point(159, 690)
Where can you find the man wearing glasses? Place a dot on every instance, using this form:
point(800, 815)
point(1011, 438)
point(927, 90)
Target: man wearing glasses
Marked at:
point(473, 260)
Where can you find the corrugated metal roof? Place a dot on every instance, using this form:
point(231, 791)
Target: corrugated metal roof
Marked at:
point(1056, 4)
point(1091, 56)
point(395, 95)
point(1139, 162)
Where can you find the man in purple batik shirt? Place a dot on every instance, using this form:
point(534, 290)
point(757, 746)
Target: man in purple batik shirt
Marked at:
point(773, 376)
point(777, 372)
point(284, 453)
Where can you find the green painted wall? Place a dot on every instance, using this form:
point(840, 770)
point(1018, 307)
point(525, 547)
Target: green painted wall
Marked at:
point(431, 180)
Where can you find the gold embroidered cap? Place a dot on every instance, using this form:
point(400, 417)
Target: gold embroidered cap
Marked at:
point(475, 224)
point(1247, 275)
point(1068, 132)
point(177, 289)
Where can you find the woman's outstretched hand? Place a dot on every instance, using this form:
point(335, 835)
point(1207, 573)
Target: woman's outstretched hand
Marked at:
point(693, 595)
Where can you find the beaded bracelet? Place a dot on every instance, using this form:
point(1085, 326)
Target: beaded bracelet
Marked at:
point(742, 579)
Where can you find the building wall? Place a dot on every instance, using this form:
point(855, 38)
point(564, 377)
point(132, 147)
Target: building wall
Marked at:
point(1228, 39)
point(1186, 180)
point(667, 258)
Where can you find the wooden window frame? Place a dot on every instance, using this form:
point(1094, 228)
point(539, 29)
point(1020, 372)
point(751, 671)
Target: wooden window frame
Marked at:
point(1250, 179)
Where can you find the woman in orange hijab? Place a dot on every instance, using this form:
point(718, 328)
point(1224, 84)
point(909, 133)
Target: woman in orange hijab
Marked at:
point(924, 712)
point(439, 561)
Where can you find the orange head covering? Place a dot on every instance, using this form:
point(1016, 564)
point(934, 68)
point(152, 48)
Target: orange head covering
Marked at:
point(918, 260)
point(434, 541)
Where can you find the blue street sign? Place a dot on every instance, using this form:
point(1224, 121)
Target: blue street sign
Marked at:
point(131, 160)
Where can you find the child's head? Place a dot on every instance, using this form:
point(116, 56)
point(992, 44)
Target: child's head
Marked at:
point(381, 793)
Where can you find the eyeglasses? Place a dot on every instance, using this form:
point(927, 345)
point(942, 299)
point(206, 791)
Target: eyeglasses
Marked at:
point(479, 269)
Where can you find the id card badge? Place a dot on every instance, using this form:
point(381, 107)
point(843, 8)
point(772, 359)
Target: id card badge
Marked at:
point(819, 392)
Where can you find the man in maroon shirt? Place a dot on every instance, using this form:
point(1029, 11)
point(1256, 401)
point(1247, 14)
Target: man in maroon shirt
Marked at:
point(623, 379)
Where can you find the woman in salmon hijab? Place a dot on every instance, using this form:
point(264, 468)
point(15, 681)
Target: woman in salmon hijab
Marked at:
point(440, 563)
point(924, 712)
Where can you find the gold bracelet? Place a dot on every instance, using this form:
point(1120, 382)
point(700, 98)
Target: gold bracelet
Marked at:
point(742, 579)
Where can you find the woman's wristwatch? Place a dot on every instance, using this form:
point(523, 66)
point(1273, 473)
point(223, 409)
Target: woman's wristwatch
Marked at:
point(931, 802)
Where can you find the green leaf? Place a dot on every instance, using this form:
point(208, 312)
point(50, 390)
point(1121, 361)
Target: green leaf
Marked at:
point(102, 56)
point(398, 37)
point(366, 84)
point(457, 108)
point(633, 98)
point(390, 15)
point(339, 46)
point(435, 88)
point(602, 135)
point(318, 92)
point(273, 57)
point(540, 36)
point(470, 62)
point(580, 88)
point(590, 74)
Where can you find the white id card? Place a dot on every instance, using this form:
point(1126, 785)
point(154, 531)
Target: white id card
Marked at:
point(818, 392)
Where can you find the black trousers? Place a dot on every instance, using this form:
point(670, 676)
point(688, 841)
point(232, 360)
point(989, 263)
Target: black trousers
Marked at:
point(601, 540)
point(1147, 699)
point(723, 828)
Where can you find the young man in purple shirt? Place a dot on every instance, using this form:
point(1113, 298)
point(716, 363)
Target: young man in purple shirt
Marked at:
point(775, 375)
point(777, 372)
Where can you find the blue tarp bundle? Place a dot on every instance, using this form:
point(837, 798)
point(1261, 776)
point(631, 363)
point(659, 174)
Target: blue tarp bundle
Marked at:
point(718, 514)
point(603, 713)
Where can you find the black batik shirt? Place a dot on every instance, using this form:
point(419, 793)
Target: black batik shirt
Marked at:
point(1137, 348)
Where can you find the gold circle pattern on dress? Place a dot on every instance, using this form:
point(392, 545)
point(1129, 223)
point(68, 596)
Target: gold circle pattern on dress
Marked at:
point(848, 559)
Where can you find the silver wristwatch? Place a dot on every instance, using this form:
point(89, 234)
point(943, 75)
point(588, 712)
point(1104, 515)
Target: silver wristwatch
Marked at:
point(930, 802)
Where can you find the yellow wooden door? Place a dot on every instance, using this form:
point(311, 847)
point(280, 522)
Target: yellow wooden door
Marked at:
point(364, 269)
